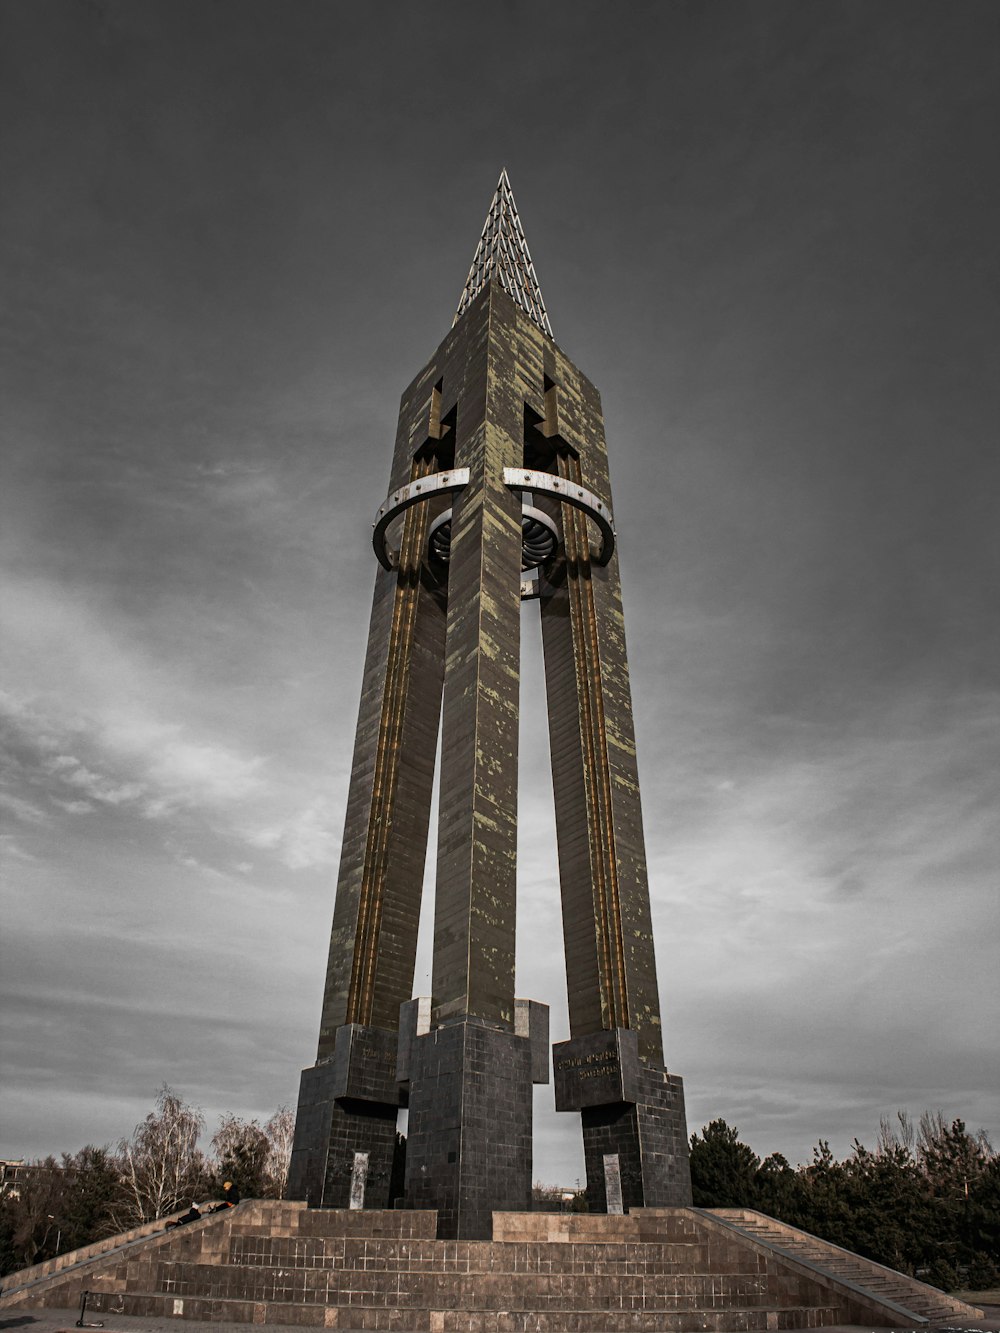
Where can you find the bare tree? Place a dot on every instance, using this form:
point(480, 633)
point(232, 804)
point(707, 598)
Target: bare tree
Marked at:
point(280, 1130)
point(932, 1130)
point(161, 1167)
point(255, 1157)
point(891, 1137)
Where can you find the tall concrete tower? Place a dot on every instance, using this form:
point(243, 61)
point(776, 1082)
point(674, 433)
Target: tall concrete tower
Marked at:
point(498, 496)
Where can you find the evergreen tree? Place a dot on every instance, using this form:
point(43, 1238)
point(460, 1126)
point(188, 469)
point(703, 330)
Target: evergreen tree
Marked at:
point(888, 1208)
point(778, 1188)
point(242, 1152)
point(723, 1170)
point(93, 1177)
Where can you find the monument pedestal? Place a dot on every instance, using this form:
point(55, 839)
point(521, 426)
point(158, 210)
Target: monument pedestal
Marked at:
point(632, 1111)
point(347, 1105)
point(669, 1270)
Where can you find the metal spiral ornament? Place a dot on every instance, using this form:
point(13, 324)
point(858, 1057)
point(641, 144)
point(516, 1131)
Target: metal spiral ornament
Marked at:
point(539, 538)
point(439, 538)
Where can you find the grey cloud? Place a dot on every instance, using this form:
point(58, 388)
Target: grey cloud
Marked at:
point(771, 244)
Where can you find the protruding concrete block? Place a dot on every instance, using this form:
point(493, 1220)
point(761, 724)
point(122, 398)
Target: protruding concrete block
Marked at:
point(347, 1104)
point(596, 1070)
point(414, 1021)
point(649, 1136)
point(364, 1064)
point(531, 1020)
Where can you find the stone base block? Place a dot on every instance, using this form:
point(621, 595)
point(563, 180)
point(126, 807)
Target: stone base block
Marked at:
point(468, 1149)
point(597, 1070)
point(347, 1104)
point(631, 1109)
point(650, 1139)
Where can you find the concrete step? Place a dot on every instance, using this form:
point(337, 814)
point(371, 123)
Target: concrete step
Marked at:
point(655, 1271)
point(469, 1256)
point(450, 1319)
point(438, 1288)
point(78, 1265)
point(264, 1217)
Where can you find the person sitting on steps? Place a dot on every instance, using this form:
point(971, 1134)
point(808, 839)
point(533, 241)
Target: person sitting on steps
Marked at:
point(230, 1197)
point(192, 1215)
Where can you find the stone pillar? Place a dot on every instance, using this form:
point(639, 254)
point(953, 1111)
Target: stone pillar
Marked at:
point(612, 1070)
point(374, 933)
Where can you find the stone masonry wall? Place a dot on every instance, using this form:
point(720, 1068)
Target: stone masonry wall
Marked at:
point(650, 1272)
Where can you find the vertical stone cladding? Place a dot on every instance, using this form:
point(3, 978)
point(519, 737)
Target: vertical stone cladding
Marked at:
point(347, 1104)
point(468, 1147)
point(650, 1138)
point(470, 1091)
point(473, 970)
point(373, 940)
point(610, 964)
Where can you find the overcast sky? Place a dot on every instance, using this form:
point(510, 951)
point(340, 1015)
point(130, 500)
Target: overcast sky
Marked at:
point(232, 233)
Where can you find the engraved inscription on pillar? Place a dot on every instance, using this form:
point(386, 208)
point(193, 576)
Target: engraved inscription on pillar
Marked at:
point(613, 1183)
point(359, 1178)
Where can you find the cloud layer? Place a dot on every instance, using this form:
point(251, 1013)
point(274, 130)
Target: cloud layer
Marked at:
point(230, 239)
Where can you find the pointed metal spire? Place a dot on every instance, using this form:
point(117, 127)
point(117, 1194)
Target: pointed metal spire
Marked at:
point(503, 254)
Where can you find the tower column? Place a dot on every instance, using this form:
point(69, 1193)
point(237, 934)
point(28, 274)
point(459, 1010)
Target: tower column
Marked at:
point(475, 904)
point(611, 1070)
point(470, 1089)
point(349, 1100)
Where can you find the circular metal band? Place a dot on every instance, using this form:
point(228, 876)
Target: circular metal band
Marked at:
point(437, 483)
point(518, 479)
point(544, 483)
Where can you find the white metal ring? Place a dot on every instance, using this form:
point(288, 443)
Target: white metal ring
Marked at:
point(559, 488)
point(437, 483)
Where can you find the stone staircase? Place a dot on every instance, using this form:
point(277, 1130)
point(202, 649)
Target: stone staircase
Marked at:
point(654, 1271)
point(74, 1258)
point(923, 1303)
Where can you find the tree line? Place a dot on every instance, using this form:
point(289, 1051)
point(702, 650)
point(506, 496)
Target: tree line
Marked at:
point(51, 1206)
point(925, 1200)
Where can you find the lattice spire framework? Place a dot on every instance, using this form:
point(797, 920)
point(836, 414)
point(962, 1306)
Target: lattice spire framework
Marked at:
point(503, 254)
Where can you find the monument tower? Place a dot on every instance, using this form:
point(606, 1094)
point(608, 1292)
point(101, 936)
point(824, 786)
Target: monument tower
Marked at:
point(498, 495)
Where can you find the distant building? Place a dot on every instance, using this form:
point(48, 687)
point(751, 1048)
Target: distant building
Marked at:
point(15, 1171)
point(11, 1174)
